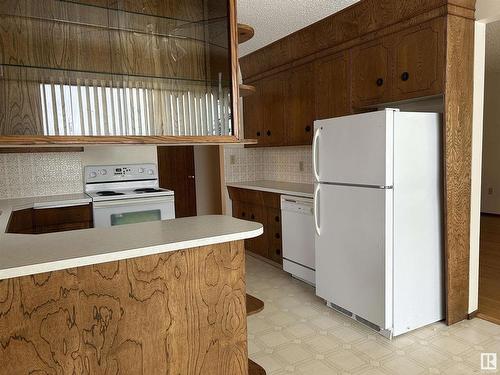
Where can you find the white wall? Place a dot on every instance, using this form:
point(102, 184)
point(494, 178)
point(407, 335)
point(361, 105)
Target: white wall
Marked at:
point(487, 10)
point(490, 191)
point(208, 184)
point(477, 150)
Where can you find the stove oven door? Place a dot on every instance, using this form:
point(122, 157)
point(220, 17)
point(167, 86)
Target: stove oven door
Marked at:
point(131, 211)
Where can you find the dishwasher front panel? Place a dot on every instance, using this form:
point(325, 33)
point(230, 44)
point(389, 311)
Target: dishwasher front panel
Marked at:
point(298, 237)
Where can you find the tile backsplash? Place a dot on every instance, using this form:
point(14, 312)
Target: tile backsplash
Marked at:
point(288, 164)
point(41, 174)
point(30, 175)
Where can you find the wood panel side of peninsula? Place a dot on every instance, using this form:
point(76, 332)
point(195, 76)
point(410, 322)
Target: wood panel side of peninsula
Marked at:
point(181, 312)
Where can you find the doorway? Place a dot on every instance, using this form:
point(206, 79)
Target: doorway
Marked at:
point(194, 174)
point(489, 240)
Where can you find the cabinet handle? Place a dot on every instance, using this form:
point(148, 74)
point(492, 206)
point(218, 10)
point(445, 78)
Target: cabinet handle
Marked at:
point(308, 129)
point(380, 82)
point(258, 134)
point(405, 76)
point(269, 133)
point(278, 236)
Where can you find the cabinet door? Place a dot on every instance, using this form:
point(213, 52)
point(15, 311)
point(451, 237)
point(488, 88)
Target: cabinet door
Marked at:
point(299, 106)
point(272, 102)
point(264, 112)
point(332, 76)
point(419, 58)
point(258, 245)
point(274, 235)
point(252, 113)
point(370, 74)
point(51, 220)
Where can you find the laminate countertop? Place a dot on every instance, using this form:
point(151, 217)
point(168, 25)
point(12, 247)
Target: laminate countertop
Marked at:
point(283, 188)
point(29, 254)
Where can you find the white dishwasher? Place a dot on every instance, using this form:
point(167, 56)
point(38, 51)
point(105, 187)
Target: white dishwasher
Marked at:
point(297, 223)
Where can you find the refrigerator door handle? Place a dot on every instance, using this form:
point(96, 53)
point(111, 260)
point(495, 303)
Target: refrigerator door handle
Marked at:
point(315, 154)
point(316, 210)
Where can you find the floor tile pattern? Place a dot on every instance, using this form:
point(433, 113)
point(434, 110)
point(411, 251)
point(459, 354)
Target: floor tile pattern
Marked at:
point(297, 334)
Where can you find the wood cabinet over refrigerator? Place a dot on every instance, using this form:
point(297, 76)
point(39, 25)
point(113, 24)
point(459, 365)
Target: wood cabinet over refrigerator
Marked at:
point(98, 71)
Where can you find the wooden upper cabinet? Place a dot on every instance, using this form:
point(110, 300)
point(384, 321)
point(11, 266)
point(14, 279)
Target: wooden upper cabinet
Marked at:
point(299, 106)
point(332, 83)
point(264, 111)
point(419, 59)
point(252, 113)
point(371, 80)
point(273, 104)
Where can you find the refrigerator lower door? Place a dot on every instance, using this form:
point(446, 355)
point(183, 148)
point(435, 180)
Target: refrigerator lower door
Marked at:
point(354, 250)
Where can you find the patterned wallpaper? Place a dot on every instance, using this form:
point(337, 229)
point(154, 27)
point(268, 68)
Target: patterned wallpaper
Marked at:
point(275, 164)
point(30, 175)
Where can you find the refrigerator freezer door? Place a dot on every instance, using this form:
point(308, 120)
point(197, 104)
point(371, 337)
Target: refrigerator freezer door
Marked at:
point(354, 251)
point(355, 149)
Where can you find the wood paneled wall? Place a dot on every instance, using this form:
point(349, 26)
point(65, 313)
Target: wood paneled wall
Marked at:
point(459, 85)
point(182, 312)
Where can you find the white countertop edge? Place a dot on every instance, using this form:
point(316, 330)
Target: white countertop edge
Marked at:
point(293, 193)
point(61, 204)
point(64, 264)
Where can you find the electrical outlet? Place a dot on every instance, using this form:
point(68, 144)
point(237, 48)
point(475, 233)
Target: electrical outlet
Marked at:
point(232, 159)
point(490, 191)
point(301, 166)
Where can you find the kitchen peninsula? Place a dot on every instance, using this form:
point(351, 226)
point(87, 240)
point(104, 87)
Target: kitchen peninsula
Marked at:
point(158, 297)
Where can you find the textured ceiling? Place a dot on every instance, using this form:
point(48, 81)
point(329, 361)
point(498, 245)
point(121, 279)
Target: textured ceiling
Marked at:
point(493, 47)
point(274, 19)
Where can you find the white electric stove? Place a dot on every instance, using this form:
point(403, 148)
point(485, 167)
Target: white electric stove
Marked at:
point(127, 194)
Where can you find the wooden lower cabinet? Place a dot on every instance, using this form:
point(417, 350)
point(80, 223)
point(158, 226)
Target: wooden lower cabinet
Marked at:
point(50, 220)
point(264, 208)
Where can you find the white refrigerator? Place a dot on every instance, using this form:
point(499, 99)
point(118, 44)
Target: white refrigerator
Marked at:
point(378, 218)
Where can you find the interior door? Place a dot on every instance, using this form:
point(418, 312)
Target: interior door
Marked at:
point(354, 250)
point(176, 169)
point(355, 149)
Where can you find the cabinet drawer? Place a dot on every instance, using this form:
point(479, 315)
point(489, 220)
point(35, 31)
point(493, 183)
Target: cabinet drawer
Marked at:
point(245, 195)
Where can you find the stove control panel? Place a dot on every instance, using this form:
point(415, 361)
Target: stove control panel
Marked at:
point(116, 173)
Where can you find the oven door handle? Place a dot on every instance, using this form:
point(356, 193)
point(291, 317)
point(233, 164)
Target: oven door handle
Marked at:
point(133, 201)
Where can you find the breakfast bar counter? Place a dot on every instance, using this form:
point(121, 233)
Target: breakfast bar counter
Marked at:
point(150, 298)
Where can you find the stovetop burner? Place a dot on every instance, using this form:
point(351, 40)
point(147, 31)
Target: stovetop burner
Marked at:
point(147, 190)
point(108, 193)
